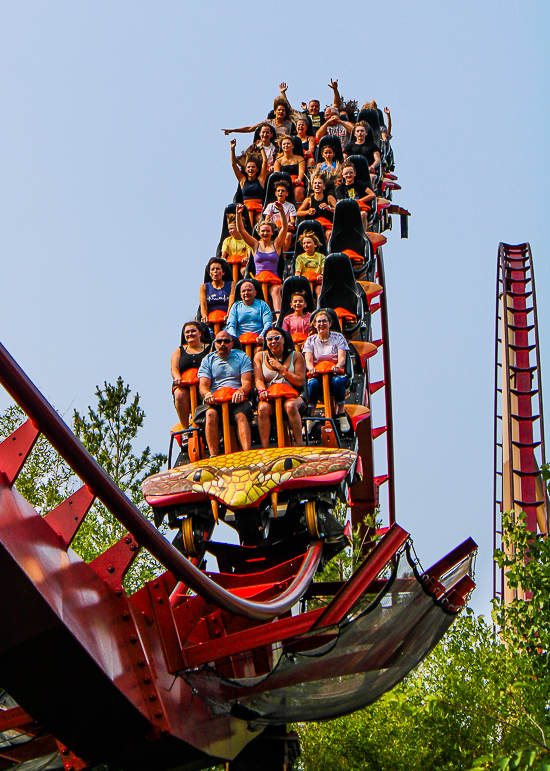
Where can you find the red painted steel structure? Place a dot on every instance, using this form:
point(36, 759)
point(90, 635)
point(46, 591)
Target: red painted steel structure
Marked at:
point(519, 422)
point(128, 650)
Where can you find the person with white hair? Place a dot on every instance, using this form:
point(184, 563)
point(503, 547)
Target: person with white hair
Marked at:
point(334, 126)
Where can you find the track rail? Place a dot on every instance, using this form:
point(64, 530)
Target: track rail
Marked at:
point(387, 386)
point(46, 419)
point(518, 417)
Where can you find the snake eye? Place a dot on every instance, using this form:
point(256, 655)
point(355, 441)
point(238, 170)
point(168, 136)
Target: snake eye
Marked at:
point(202, 475)
point(286, 465)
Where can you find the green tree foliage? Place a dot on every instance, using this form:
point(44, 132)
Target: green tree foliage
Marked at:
point(45, 480)
point(481, 700)
point(109, 432)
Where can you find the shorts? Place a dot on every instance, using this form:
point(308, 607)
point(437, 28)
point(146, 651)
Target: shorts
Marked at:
point(244, 407)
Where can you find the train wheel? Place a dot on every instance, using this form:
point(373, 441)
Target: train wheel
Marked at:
point(312, 523)
point(188, 537)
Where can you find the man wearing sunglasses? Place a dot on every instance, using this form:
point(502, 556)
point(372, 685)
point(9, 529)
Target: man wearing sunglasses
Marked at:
point(226, 368)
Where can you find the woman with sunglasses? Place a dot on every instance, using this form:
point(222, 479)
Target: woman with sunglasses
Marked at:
point(278, 362)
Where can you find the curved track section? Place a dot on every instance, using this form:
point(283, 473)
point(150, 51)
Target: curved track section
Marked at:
point(519, 421)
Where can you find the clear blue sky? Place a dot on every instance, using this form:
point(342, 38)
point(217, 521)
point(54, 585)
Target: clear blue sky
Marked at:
point(114, 174)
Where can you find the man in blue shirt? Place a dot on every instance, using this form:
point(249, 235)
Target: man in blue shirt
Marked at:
point(226, 368)
point(249, 314)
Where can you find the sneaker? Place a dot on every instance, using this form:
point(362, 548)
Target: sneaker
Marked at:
point(344, 424)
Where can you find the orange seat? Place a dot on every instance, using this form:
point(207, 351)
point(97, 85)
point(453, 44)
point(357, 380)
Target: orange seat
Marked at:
point(281, 389)
point(353, 255)
point(237, 258)
point(223, 394)
point(365, 350)
point(248, 338)
point(217, 317)
point(313, 277)
point(376, 239)
point(325, 367)
point(189, 377)
point(343, 313)
point(176, 429)
point(254, 205)
point(364, 206)
point(267, 277)
point(324, 222)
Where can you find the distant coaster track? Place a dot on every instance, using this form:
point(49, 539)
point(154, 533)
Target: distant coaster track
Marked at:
point(518, 418)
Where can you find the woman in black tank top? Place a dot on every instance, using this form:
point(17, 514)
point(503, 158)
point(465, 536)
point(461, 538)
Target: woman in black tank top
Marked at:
point(319, 205)
point(294, 165)
point(189, 355)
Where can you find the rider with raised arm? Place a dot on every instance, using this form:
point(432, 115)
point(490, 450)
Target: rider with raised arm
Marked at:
point(251, 180)
point(226, 368)
point(266, 251)
point(282, 122)
point(334, 126)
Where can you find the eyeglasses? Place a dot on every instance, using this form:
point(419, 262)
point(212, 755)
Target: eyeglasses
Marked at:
point(322, 321)
point(273, 339)
point(223, 341)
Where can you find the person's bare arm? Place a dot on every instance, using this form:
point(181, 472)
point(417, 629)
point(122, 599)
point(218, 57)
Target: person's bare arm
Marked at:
point(337, 99)
point(376, 163)
point(386, 110)
point(308, 356)
point(231, 296)
point(258, 372)
point(204, 307)
point(234, 165)
point(262, 176)
point(241, 230)
point(322, 130)
point(305, 209)
point(301, 170)
point(246, 387)
point(281, 235)
point(297, 377)
point(370, 194)
point(174, 366)
point(204, 388)
point(242, 130)
point(341, 358)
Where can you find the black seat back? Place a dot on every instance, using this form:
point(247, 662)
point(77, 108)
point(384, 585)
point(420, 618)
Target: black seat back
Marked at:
point(339, 289)
point(335, 325)
point(257, 285)
point(336, 145)
point(271, 184)
point(273, 133)
point(295, 284)
point(347, 230)
point(361, 169)
point(371, 117)
point(231, 209)
point(227, 272)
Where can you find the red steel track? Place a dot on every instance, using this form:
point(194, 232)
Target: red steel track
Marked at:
point(519, 426)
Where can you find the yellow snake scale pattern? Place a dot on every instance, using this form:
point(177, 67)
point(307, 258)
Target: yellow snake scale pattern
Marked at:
point(243, 478)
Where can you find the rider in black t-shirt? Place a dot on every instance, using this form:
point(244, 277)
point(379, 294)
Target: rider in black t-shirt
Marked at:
point(363, 145)
point(351, 187)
